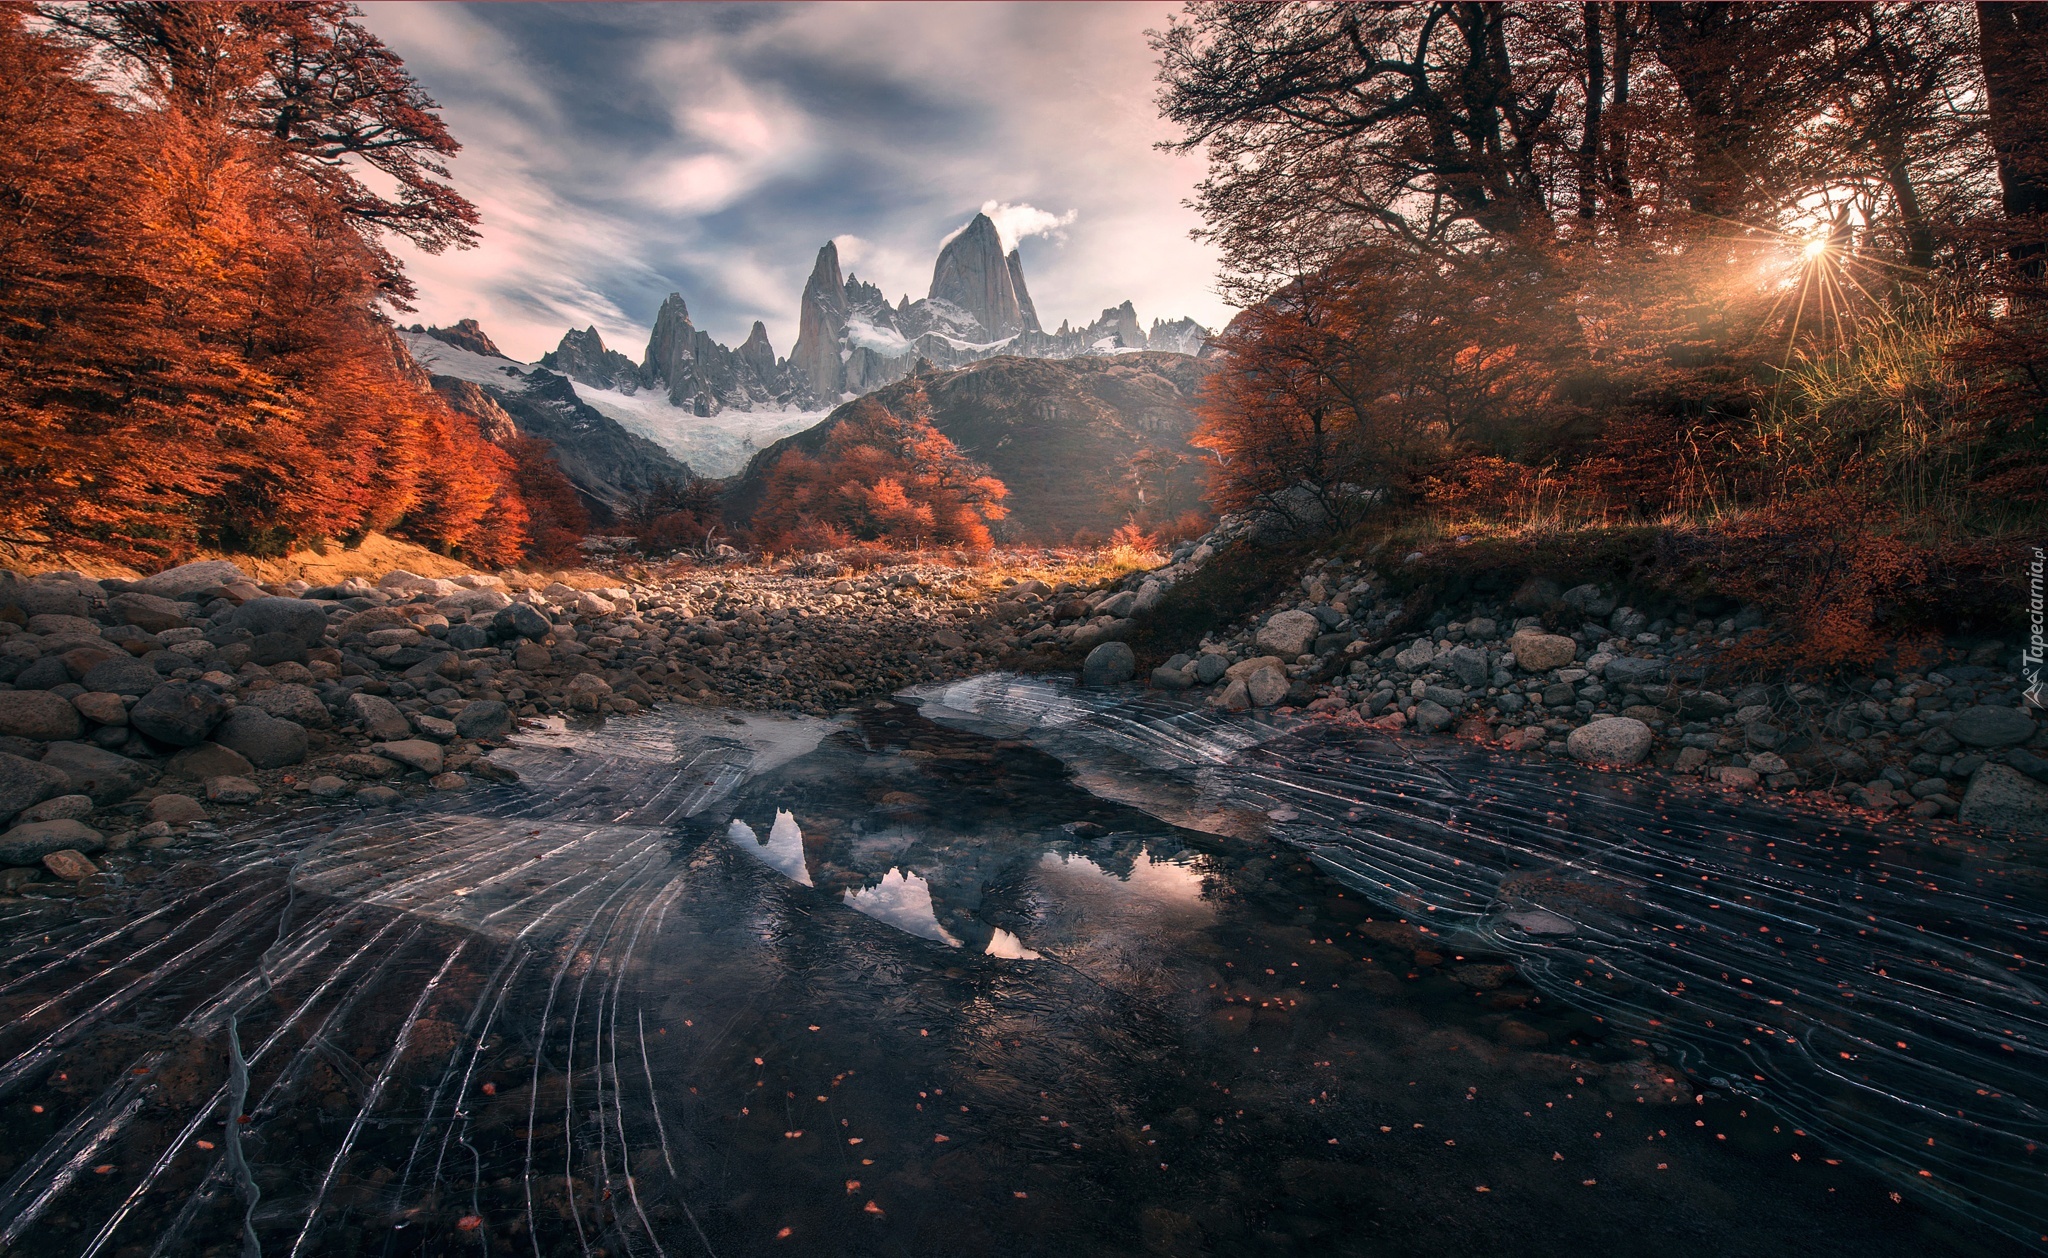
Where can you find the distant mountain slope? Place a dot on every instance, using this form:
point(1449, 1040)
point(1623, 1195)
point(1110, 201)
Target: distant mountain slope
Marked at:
point(606, 463)
point(1061, 433)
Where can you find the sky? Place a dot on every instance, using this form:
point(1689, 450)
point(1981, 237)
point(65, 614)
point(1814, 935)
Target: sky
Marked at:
point(622, 152)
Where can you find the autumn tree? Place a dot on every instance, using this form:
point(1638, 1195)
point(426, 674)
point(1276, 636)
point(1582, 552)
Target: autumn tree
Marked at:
point(879, 476)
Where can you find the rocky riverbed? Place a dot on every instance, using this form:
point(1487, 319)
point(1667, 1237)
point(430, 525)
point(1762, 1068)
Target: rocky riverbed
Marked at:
point(141, 715)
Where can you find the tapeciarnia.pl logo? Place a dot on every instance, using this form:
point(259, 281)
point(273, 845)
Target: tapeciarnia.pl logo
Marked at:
point(2032, 670)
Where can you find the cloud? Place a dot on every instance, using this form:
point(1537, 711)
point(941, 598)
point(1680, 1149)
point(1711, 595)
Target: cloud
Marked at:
point(620, 152)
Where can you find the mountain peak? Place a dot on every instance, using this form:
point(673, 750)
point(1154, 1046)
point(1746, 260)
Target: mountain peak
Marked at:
point(467, 334)
point(973, 274)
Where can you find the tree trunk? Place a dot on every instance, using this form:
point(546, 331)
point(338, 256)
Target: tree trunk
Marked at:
point(1589, 140)
point(2014, 43)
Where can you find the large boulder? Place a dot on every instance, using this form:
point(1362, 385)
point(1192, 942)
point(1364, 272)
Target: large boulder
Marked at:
point(265, 741)
point(102, 775)
point(181, 713)
point(208, 760)
point(186, 580)
point(39, 715)
point(1539, 652)
point(1416, 656)
point(25, 783)
point(295, 618)
point(1289, 634)
point(291, 702)
point(1615, 740)
point(122, 675)
point(1469, 663)
point(1989, 726)
point(1110, 664)
point(28, 844)
point(1266, 686)
point(520, 620)
point(414, 753)
point(1628, 670)
point(149, 612)
point(2002, 798)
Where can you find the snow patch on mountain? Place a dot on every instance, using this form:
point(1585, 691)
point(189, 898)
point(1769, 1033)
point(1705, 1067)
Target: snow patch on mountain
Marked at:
point(713, 445)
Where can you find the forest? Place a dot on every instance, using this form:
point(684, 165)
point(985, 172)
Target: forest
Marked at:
point(1749, 292)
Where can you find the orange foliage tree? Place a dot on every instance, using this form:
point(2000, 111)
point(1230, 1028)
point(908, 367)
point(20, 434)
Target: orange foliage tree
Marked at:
point(191, 347)
point(879, 477)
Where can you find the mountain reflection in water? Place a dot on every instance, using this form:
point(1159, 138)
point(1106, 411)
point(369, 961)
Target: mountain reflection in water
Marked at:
point(1024, 970)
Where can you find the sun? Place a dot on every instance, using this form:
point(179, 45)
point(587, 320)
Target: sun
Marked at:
point(1814, 248)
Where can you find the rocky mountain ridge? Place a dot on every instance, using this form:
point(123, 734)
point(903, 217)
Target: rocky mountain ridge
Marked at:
point(852, 341)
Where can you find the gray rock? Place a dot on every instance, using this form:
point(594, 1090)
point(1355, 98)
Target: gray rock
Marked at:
point(208, 760)
point(486, 718)
point(28, 844)
point(2002, 798)
point(122, 675)
point(47, 673)
point(265, 741)
point(1538, 652)
point(1266, 686)
point(25, 783)
point(328, 786)
point(1614, 740)
point(1469, 663)
point(1587, 600)
point(1445, 696)
point(291, 702)
point(293, 617)
point(1991, 727)
point(186, 580)
point(377, 796)
point(1629, 670)
point(1165, 678)
point(39, 715)
point(1209, 668)
point(181, 713)
point(1288, 634)
point(1937, 741)
point(228, 789)
point(1627, 622)
point(1232, 697)
point(520, 620)
point(61, 808)
point(1108, 665)
point(378, 716)
point(1416, 656)
point(106, 777)
point(1432, 717)
point(149, 612)
point(434, 727)
point(413, 753)
point(1118, 605)
point(267, 649)
point(176, 810)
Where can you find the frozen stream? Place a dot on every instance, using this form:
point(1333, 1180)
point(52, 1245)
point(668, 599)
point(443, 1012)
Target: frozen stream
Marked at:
point(1009, 968)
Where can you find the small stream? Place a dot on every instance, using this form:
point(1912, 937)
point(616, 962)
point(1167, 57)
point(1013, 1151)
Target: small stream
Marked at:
point(1006, 967)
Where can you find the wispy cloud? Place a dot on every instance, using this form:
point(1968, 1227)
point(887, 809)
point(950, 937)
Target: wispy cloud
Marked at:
point(620, 152)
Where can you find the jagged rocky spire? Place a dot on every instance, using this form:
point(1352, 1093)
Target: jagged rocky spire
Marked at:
point(821, 323)
point(1016, 264)
point(973, 274)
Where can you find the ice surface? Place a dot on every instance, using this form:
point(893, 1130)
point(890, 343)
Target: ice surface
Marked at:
point(713, 445)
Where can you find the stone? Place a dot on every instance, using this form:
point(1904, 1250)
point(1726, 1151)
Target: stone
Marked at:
point(38, 715)
point(437, 728)
point(486, 718)
point(1629, 670)
point(60, 808)
point(186, 580)
point(1481, 629)
point(1231, 697)
point(176, 810)
point(377, 796)
point(413, 753)
point(1432, 717)
point(101, 707)
point(1768, 762)
point(70, 865)
point(24, 783)
point(267, 649)
point(1288, 634)
point(2002, 798)
point(292, 702)
point(1735, 775)
point(448, 782)
point(148, 611)
point(1469, 663)
point(1164, 678)
point(28, 844)
point(265, 741)
point(105, 776)
point(1110, 664)
point(1615, 741)
point(1210, 667)
point(1587, 600)
point(121, 675)
point(1445, 696)
point(231, 789)
point(1692, 759)
point(295, 618)
point(328, 786)
point(520, 620)
point(180, 713)
point(587, 692)
point(1539, 652)
point(208, 760)
point(1416, 656)
point(47, 673)
point(1989, 726)
point(532, 655)
point(1266, 686)
point(1627, 622)
point(379, 717)
point(1937, 741)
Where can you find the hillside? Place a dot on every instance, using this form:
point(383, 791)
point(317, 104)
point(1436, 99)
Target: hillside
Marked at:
point(1081, 442)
